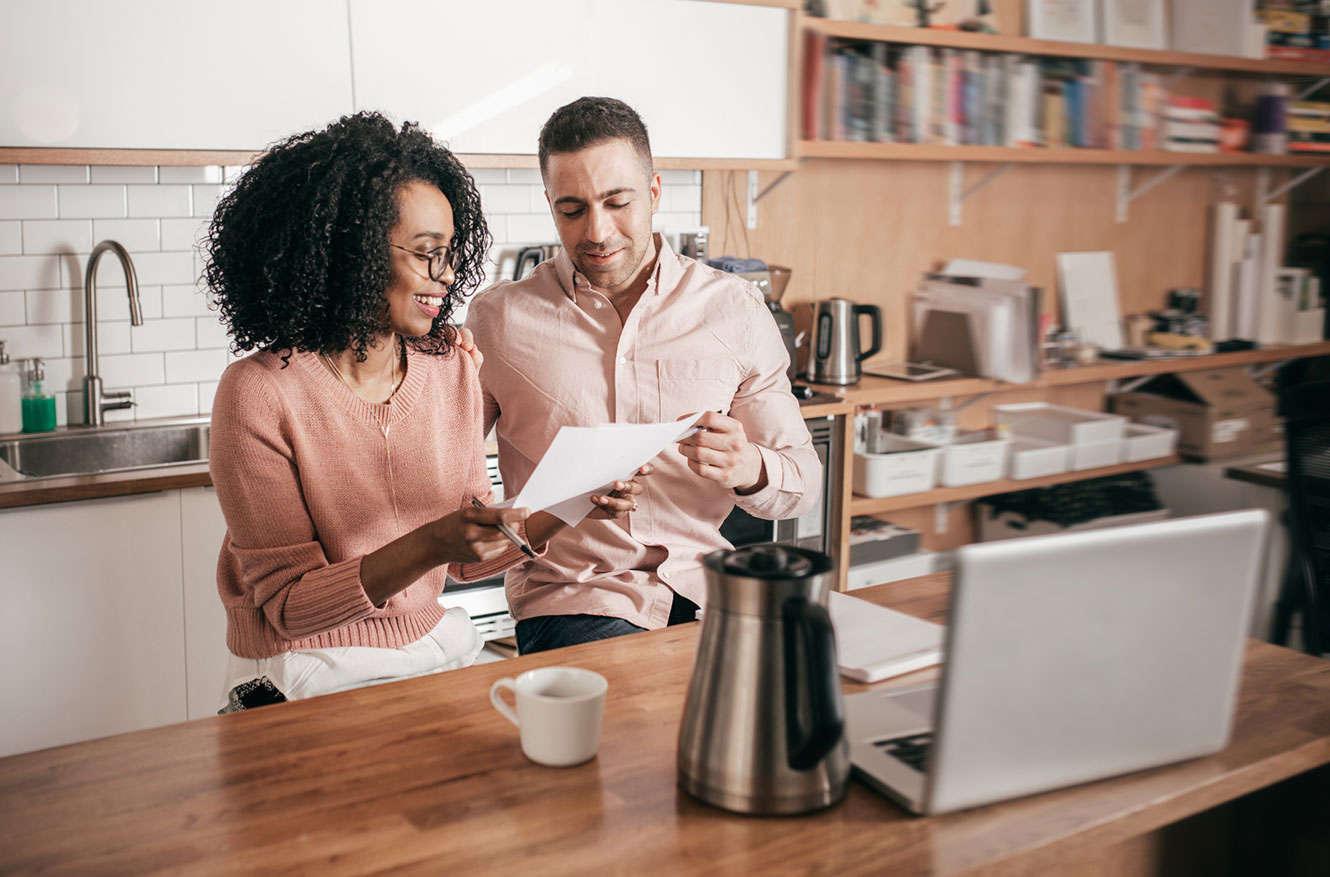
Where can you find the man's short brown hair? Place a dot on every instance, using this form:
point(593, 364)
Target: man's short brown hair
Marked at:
point(588, 121)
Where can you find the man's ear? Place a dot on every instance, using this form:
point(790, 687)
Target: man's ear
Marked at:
point(655, 192)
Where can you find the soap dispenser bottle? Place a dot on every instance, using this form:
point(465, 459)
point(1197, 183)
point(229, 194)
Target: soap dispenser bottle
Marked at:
point(38, 405)
point(11, 395)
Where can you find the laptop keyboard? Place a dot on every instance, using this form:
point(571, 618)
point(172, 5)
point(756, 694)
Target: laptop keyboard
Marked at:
point(912, 750)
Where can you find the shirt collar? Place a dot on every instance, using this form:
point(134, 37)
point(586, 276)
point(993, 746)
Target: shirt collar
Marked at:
point(664, 278)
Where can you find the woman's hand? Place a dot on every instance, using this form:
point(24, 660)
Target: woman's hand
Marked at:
point(463, 338)
point(470, 534)
point(623, 499)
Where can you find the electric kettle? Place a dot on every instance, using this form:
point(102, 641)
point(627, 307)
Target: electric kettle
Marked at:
point(836, 353)
point(763, 728)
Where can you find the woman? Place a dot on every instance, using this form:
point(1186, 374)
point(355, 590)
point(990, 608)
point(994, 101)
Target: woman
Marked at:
point(340, 256)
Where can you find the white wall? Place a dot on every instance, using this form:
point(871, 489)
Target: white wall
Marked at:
point(52, 215)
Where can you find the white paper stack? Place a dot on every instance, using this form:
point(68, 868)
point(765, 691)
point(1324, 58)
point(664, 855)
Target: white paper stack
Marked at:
point(874, 642)
point(1002, 312)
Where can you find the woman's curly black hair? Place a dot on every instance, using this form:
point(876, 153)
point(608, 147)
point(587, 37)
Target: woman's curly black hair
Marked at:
point(297, 253)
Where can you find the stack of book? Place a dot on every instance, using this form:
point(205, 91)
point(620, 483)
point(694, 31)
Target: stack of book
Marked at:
point(1309, 126)
point(876, 92)
point(1296, 34)
point(1191, 124)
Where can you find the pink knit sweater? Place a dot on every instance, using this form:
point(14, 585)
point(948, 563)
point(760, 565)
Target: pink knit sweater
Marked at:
point(311, 478)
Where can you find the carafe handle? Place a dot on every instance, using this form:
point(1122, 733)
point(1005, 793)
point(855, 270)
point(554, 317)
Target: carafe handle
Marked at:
point(875, 317)
point(811, 680)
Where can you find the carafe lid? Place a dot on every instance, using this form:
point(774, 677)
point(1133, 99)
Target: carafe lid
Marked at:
point(768, 561)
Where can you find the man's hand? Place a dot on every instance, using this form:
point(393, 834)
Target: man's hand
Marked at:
point(465, 341)
point(722, 453)
point(623, 499)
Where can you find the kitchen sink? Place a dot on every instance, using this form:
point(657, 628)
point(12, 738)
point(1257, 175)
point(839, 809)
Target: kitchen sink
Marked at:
point(84, 451)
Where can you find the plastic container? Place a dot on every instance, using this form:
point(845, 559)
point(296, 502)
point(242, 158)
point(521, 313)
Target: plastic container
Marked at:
point(1092, 455)
point(38, 405)
point(1145, 441)
point(11, 395)
point(1058, 423)
point(975, 457)
point(1035, 458)
point(906, 466)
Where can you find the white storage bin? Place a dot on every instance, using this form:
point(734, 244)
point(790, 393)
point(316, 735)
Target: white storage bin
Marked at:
point(908, 466)
point(1034, 458)
point(1145, 442)
point(908, 566)
point(973, 459)
point(1058, 423)
point(1092, 455)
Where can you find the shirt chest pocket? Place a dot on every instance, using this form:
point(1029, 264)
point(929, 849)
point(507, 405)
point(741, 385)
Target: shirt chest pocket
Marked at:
point(686, 386)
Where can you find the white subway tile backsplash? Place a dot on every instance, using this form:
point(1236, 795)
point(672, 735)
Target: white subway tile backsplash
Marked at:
point(43, 341)
point(13, 309)
point(207, 390)
point(42, 236)
point(132, 234)
point(205, 174)
point(11, 237)
point(662, 221)
point(506, 199)
point(51, 216)
point(184, 300)
point(124, 174)
point(55, 306)
point(29, 202)
point(133, 370)
point(532, 228)
point(196, 365)
point(183, 234)
point(211, 333)
point(53, 173)
point(160, 200)
point(91, 202)
point(205, 200)
point(172, 400)
point(29, 272)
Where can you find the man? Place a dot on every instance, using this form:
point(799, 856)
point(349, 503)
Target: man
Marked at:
point(619, 329)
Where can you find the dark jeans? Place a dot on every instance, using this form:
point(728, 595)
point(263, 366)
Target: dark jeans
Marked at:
point(556, 631)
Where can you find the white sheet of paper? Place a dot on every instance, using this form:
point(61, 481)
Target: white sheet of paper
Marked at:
point(1090, 298)
point(582, 461)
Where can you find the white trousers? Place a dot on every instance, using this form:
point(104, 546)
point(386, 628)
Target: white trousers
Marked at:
point(454, 642)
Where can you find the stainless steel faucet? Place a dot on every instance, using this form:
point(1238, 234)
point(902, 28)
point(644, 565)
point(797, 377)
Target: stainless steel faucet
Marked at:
point(95, 402)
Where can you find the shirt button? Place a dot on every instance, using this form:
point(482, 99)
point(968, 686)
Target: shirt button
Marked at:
point(596, 305)
point(623, 360)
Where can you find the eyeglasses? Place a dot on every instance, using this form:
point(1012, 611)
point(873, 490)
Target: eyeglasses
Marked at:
point(440, 259)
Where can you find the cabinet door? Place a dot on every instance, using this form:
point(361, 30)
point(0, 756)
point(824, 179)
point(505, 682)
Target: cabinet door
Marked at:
point(202, 528)
point(709, 79)
point(93, 644)
point(166, 74)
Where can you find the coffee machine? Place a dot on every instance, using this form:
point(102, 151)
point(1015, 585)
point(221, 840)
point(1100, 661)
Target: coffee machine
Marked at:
point(772, 282)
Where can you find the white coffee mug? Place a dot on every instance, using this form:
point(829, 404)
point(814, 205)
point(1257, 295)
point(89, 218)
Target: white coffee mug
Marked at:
point(559, 711)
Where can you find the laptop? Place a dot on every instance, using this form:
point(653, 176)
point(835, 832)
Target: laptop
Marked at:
point(1070, 658)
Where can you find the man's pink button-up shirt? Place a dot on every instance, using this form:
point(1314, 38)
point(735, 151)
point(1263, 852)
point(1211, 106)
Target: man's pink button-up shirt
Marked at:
point(557, 354)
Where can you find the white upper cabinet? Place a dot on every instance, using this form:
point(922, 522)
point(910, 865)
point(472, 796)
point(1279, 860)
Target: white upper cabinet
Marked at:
point(709, 79)
point(170, 74)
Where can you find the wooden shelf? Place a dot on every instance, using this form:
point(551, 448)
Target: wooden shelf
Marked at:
point(885, 391)
point(855, 30)
point(862, 505)
point(1040, 155)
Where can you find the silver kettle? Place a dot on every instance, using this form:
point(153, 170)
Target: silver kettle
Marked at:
point(763, 727)
point(835, 352)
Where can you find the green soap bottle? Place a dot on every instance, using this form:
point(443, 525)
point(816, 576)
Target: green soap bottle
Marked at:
point(38, 405)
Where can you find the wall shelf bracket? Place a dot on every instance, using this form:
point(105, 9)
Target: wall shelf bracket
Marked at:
point(1116, 386)
point(1312, 89)
point(1257, 372)
point(1263, 183)
point(958, 193)
point(941, 516)
point(1125, 192)
point(755, 196)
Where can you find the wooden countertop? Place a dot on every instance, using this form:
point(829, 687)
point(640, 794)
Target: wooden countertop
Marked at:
point(424, 776)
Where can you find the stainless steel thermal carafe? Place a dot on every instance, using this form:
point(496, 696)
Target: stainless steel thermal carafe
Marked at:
point(763, 726)
point(836, 353)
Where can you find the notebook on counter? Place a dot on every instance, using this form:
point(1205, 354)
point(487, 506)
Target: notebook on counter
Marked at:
point(875, 643)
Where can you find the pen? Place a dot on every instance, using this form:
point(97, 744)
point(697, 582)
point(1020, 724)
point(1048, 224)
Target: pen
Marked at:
point(507, 531)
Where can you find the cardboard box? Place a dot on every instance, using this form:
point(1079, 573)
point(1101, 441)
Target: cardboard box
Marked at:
point(1218, 413)
point(1010, 525)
